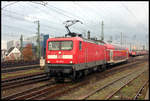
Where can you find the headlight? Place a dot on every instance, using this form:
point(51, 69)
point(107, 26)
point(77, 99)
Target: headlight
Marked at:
point(48, 61)
point(70, 61)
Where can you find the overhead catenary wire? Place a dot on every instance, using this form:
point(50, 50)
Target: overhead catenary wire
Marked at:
point(9, 5)
point(59, 11)
point(131, 13)
point(66, 14)
point(54, 8)
point(80, 6)
point(73, 15)
point(53, 11)
point(62, 13)
point(17, 28)
point(21, 19)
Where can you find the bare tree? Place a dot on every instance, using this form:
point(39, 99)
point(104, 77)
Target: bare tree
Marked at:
point(27, 53)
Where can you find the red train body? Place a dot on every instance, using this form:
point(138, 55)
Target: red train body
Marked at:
point(73, 57)
point(116, 54)
point(81, 51)
point(134, 53)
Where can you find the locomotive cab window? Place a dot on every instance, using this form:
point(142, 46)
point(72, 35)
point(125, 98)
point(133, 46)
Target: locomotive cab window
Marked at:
point(53, 45)
point(66, 45)
point(80, 45)
point(60, 45)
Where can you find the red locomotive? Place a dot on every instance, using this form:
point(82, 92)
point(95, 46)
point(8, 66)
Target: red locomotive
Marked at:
point(133, 53)
point(74, 57)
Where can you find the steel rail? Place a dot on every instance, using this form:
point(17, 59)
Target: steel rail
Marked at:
point(25, 83)
point(111, 95)
point(22, 77)
point(12, 96)
point(23, 80)
point(39, 92)
point(63, 91)
point(8, 70)
point(139, 91)
point(60, 92)
point(123, 66)
point(101, 88)
point(10, 64)
point(18, 66)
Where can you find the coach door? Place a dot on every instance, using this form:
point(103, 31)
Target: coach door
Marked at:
point(111, 55)
point(127, 55)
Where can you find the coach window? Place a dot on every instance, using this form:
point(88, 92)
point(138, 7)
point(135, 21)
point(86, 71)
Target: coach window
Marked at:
point(80, 45)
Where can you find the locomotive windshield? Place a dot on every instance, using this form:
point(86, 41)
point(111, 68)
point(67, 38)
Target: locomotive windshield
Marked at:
point(60, 45)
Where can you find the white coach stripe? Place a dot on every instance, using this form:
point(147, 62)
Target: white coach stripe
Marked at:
point(52, 56)
point(67, 57)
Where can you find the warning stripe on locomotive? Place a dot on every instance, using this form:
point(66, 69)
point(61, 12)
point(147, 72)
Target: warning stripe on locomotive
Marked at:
point(60, 57)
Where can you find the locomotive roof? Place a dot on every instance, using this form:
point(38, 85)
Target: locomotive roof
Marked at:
point(109, 46)
point(116, 47)
point(76, 38)
point(65, 38)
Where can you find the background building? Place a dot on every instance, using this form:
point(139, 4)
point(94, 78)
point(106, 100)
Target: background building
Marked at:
point(33, 40)
point(3, 54)
point(13, 43)
point(30, 40)
point(3, 44)
point(13, 54)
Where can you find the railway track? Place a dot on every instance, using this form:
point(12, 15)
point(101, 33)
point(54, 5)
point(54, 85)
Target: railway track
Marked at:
point(20, 81)
point(68, 89)
point(53, 91)
point(106, 74)
point(111, 95)
point(140, 90)
point(14, 69)
point(39, 92)
point(19, 68)
point(56, 90)
point(13, 96)
point(126, 77)
point(11, 64)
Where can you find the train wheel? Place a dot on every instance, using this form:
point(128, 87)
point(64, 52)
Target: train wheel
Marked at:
point(103, 67)
point(77, 76)
point(100, 69)
point(80, 75)
point(74, 76)
point(83, 75)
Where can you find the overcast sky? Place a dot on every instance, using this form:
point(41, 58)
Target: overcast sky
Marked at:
point(130, 18)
